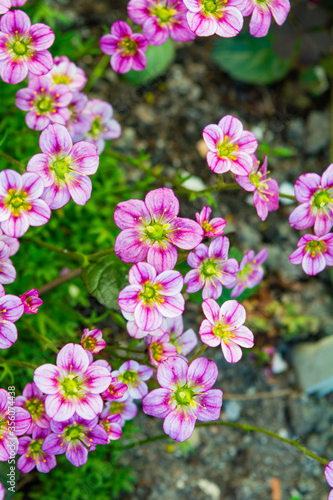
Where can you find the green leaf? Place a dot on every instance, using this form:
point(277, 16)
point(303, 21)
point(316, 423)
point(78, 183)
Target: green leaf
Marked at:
point(158, 61)
point(250, 59)
point(105, 277)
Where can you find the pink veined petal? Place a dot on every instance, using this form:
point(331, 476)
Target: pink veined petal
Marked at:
point(172, 372)
point(39, 214)
point(140, 273)
point(79, 187)
point(158, 403)
point(185, 233)
point(172, 306)
point(260, 20)
point(313, 265)
point(109, 44)
point(139, 61)
point(33, 185)
point(25, 464)
point(36, 122)
point(129, 247)
point(59, 408)
point(162, 204)
point(55, 139)
point(208, 405)
point(8, 335)
point(193, 5)
point(216, 164)
point(89, 406)
point(231, 351)
point(72, 358)
point(22, 421)
point(212, 135)
point(297, 256)
point(194, 281)
point(327, 177)
point(129, 297)
point(301, 217)
point(218, 224)
point(248, 142)
point(56, 196)
point(162, 255)
point(194, 259)
point(280, 10)
point(131, 214)
point(244, 337)
point(15, 22)
point(231, 23)
point(5, 5)
point(231, 127)
point(206, 335)
point(121, 29)
point(171, 281)
point(148, 318)
point(42, 36)
point(180, 31)
point(13, 71)
point(40, 63)
point(329, 473)
point(211, 310)
point(323, 224)
point(242, 165)
point(179, 424)
point(11, 307)
point(96, 379)
point(7, 273)
point(201, 25)
point(23, 99)
point(77, 453)
point(121, 64)
point(137, 11)
point(202, 374)
point(219, 247)
point(232, 313)
point(155, 33)
point(212, 289)
point(16, 226)
point(305, 186)
point(46, 378)
point(84, 158)
point(9, 179)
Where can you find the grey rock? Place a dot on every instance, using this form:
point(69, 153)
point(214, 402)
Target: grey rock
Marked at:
point(317, 132)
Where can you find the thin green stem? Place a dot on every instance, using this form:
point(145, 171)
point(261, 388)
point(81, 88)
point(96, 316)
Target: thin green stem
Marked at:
point(21, 364)
point(15, 163)
point(244, 427)
point(79, 257)
point(97, 72)
point(60, 281)
point(44, 340)
point(203, 348)
point(127, 349)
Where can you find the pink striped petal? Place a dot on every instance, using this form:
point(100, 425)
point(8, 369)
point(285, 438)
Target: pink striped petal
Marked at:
point(55, 139)
point(201, 25)
point(162, 204)
point(162, 255)
point(89, 406)
point(212, 135)
point(46, 378)
point(59, 408)
point(202, 374)
point(216, 164)
point(179, 424)
point(148, 318)
point(72, 358)
point(158, 403)
point(172, 373)
point(8, 335)
point(260, 20)
point(171, 307)
point(15, 22)
point(185, 233)
point(171, 281)
point(232, 313)
point(140, 273)
point(16, 226)
point(42, 36)
point(231, 22)
point(129, 247)
point(231, 351)
point(231, 127)
point(208, 405)
point(211, 310)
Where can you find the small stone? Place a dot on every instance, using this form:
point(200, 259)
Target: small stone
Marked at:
point(210, 489)
point(232, 410)
point(317, 132)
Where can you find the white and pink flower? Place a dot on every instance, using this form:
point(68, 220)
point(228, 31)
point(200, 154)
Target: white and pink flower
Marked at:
point(5, 5)
point(160, 348)
point(11, 309)
point(32, 454)
point(66, 72)
point(126, 48)
point(14, 421)
point(134, 376)
point(125, 407)
point(31, 301)
point(73, 385)
point(151, 296)
point(314, 253)
point(230, 147)
point(212, 228)
point(250, 271)
point(23, 47)
point(44, 102)
point(186, 341)
point(103, 126)
point(92, 340)
point(262, 12)
point(21, 205)
point(224, 326)
point(33, 400)
point(64, 168)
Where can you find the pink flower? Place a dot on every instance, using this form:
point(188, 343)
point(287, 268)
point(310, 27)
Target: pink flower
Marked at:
point(23, 47)
point(265, 190)
point(151, 230)
point(92, 340)
point(64, 168)
point(104, 127)
point(186, 341)
point(329, 478)
point(18, 3)
point(44, 102)
point(126, 48)
point(209, 17)
point(137, 333)
point(116, 390)
point(212, 228)
point(5, 5)
point(113, 427)
point(211, 269)
point(2, 492)
point(33, 400)
point(314, 253)
point(32, 455)
point(73, 385)
point(7, 270)
point(225, 326)
point(134, 375)
point(230, 147)
point(31, 301)
point(12, 243)
point(9, 414)
point(66, 72)
point(250, 271)
point(151, 297)
point(125, 407)
point(75, 437)
point(262, 11)
point(79, 122)
point(20, 203)
point(315, 194)
point(185, 396)
point(161, 19)
point(11, 309)
point(160, 348)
